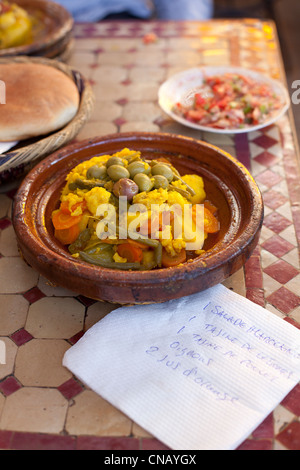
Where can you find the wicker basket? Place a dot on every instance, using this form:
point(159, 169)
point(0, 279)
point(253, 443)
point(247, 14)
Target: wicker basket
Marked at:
point(18, 161)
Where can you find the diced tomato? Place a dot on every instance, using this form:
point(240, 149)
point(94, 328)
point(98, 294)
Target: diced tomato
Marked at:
point(195, 114)
point(213, 105)
point(223, 102)
point(199, 100)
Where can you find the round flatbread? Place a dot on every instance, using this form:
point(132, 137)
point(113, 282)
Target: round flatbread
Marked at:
point(40, 99)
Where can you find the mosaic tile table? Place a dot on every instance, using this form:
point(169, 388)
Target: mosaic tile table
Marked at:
point(42, 406)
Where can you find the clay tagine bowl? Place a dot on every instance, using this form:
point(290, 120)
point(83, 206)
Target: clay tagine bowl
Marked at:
point(228, 185)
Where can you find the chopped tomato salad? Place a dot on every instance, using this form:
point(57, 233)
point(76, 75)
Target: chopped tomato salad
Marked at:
point(230, 101)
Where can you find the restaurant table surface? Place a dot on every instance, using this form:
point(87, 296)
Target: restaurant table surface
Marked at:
point(42, 405)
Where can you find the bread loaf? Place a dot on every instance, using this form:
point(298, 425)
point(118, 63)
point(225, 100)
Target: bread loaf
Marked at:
point(39, 100)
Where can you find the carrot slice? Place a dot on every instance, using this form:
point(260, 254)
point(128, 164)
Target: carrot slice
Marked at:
point(62, 220)
point(168, 261)
point(209, 205)
point(132, 253)
point(64, 206)
point(211, 223)
point(67, 235)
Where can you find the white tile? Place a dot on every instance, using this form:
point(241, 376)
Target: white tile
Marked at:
point(285, 211)
point(267, 258)
point(289, 235)
point(292, 257)
point(270, 284)
point(294, 285)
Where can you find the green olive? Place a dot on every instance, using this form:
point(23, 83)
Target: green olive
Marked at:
point(96, 171)
point(143, 181)
point(138, 167)
point(114, 161)
point(116, 172)
point(163, 170)
point(160, 181)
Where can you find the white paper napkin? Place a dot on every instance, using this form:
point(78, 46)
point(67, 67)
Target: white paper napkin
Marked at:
point(200, 372)
point(5, 146)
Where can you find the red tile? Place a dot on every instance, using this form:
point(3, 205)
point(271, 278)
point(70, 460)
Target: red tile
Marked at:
point(281, 271)
point(276, 222)
point(11, 194)
point(265, 141)
point(253, 444)
point(256, 251)
point(76, 337)
point(5, 440)
point(99, 50)
point(292, 401)
point(9, 385)
point(85, 300)
point(273, 199)
point(265, 430)
point(129, 66)
point(107, 443)
point(153, 444)
point(293, 322)
point(36, 441)
point(277, 245)
point(21, 337)
point(253, 274)
point(256, 295)
point(4, 223)
point(122, 101)
point(268, 178)
point(70, 388)
point(242, 149)
point(33, 295)
point(266, 158)
point(119, 121)
point(290, 436)
point(284, 300)
point(296, 219)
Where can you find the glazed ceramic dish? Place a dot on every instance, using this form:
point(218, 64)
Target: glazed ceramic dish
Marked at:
point(181, 88)
point(228, 184)
point(52, 28)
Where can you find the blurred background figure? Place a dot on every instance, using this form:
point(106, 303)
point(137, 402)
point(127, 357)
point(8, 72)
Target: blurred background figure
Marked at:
point(95, 10)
